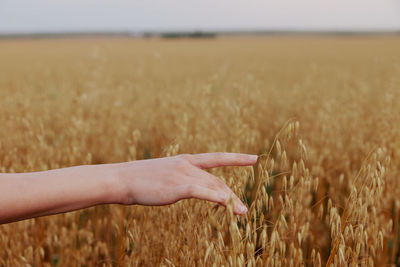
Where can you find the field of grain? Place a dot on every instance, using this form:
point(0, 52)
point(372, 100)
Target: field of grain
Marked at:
point(323, 113)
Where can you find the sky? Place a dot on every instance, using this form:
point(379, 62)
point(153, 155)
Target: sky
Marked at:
point(26, 16)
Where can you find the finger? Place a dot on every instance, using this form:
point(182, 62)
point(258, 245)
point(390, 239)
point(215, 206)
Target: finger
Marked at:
point(204, 193)
point(218, 159)
point(212, 182)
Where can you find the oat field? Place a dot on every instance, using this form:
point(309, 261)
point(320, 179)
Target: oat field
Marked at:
point(323, 113)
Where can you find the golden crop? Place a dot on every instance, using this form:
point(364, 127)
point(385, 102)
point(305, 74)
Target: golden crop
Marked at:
point(324, 113)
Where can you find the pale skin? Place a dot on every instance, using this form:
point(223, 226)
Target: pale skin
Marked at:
point(153, 182)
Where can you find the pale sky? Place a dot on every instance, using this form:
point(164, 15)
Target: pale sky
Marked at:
point(24, 16)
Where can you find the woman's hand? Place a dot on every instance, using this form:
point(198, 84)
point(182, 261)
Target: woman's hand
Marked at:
point(164, 181)
point(145, 182)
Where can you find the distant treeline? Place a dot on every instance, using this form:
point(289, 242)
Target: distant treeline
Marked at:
point(197, 34)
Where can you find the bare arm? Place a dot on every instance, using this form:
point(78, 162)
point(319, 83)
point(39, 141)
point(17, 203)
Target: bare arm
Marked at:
point(159, 181)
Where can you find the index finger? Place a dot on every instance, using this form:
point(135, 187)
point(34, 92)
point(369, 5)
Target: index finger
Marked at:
point(219, 159)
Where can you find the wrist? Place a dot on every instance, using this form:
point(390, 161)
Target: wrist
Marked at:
point(112, 188)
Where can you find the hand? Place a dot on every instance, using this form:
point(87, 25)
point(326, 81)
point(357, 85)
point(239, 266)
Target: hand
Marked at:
point(146, 182)
point(167, 180)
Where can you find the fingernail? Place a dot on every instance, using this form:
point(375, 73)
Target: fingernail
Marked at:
point(253, 157)
point(242, 208)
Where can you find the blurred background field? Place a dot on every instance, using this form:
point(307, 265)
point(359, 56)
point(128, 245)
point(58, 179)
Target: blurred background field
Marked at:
point(325, 107)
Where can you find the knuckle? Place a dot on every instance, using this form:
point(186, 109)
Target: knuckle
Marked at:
point(185, 157)
point(191, 190)
point(181, 163)
point(223, 199)
point(217, 186)
point(212, 186)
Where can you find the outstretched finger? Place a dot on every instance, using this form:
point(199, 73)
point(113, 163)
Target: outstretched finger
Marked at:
point(219, 159)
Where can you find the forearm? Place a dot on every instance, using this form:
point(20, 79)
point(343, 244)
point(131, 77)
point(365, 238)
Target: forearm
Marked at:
point(28, 195)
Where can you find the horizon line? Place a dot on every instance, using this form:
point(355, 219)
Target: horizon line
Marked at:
point(192, 33)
